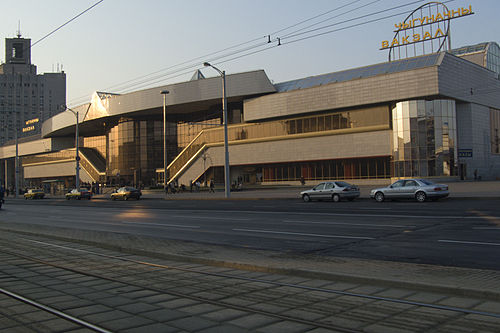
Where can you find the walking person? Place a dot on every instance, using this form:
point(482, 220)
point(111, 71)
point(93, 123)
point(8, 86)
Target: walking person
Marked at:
point(2, 194)
point(212, 186)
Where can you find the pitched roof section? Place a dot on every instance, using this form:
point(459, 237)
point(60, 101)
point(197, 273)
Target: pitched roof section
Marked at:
point(198, 75)
point(360, 73)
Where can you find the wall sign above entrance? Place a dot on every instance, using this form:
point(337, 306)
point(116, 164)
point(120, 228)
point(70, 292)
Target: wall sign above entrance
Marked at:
point(426, 30)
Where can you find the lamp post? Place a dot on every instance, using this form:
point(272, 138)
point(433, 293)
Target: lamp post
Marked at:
point(77, 157)
point(165, 93)
point(226, 148)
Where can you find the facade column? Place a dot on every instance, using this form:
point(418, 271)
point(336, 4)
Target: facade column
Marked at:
point(6, 175)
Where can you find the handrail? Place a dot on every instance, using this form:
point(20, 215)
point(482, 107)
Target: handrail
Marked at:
point(90, 168)
point(253, 132)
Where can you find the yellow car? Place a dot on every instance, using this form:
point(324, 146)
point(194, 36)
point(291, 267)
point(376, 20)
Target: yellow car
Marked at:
point(34, 194)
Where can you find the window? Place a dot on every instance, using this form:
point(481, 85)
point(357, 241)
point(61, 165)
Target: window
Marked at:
point(17, 50)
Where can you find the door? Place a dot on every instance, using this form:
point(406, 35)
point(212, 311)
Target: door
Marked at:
point(394, 191)
point(318, 191)
point(408, 190)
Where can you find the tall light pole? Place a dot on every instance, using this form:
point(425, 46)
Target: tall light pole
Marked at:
point(77, 156)
point(16, 161)
point(227, 177)
point(165, 93)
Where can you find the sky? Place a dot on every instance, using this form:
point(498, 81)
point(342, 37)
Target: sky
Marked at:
point(117, 42)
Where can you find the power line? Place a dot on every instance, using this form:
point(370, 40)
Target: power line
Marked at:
point(333, 17)
point(142, 77)
point(228, 48)
point(263, 47)
point(315, 17)
point(71, 20)
point(358, 18)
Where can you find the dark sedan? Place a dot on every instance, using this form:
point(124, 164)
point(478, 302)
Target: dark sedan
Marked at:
point(334, 191)
point(83, 193)
point(125, 193)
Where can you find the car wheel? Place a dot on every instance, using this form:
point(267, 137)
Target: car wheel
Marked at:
point(379, 197)
point(306, 198)
point(420, 196)
point(335, 198)
point(25, 198)
point(125, 198)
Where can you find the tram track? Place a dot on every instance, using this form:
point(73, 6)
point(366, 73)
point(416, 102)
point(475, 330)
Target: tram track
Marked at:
point(223, 285)
point(48, 309)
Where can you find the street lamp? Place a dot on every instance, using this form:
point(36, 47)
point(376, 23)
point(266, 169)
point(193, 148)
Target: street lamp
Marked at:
point(224, 113)
point(165, 93)
point(77, 157)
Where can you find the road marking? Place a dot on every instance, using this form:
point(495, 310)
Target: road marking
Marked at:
point(351, 224)
point(212, 218)
point(300, 234)
point(467, 242)
point(487, 228)
point(163, 224)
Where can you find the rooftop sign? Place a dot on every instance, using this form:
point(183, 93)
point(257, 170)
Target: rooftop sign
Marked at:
point(425, 30)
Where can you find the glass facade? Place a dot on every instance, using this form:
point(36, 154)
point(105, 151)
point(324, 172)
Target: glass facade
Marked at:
point(495, 129)
point(333, 121)
point(493, 58)
point(353, 168)
point(135, 150)
point(424, 138)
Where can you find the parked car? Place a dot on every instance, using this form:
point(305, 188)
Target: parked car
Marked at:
point(418, 189)
point(82, 194)
point(334, 191)
point(126, 193)
point(34, 194)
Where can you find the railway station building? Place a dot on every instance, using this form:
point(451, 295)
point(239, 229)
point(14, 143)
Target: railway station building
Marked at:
point(435, 116)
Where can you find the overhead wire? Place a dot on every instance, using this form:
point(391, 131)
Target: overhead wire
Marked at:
point(123, 86)
point(237, 54)
point(66, 23)
point(203, 57)
point(330, 18)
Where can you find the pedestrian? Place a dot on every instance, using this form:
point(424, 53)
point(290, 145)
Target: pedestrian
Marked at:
point(191, 186)
point(7, 192)
point(302, 181)
point(475, 174)
point(197, 184)
point(212, 186)
point(2, 193)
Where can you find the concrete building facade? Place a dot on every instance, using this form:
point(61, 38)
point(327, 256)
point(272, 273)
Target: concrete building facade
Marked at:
point(24, 94)
point(435, 116)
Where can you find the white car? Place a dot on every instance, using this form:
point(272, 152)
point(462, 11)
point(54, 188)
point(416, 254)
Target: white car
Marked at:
point(418, 189)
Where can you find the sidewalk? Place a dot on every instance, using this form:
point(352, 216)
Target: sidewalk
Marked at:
point(462, 189)
point(466, 189)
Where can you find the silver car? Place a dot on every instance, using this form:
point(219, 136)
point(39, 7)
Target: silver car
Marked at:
point(418, 189)
point(334, 191)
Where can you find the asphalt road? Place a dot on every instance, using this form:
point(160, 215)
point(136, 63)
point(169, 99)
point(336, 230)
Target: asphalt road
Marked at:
point(460, 232)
